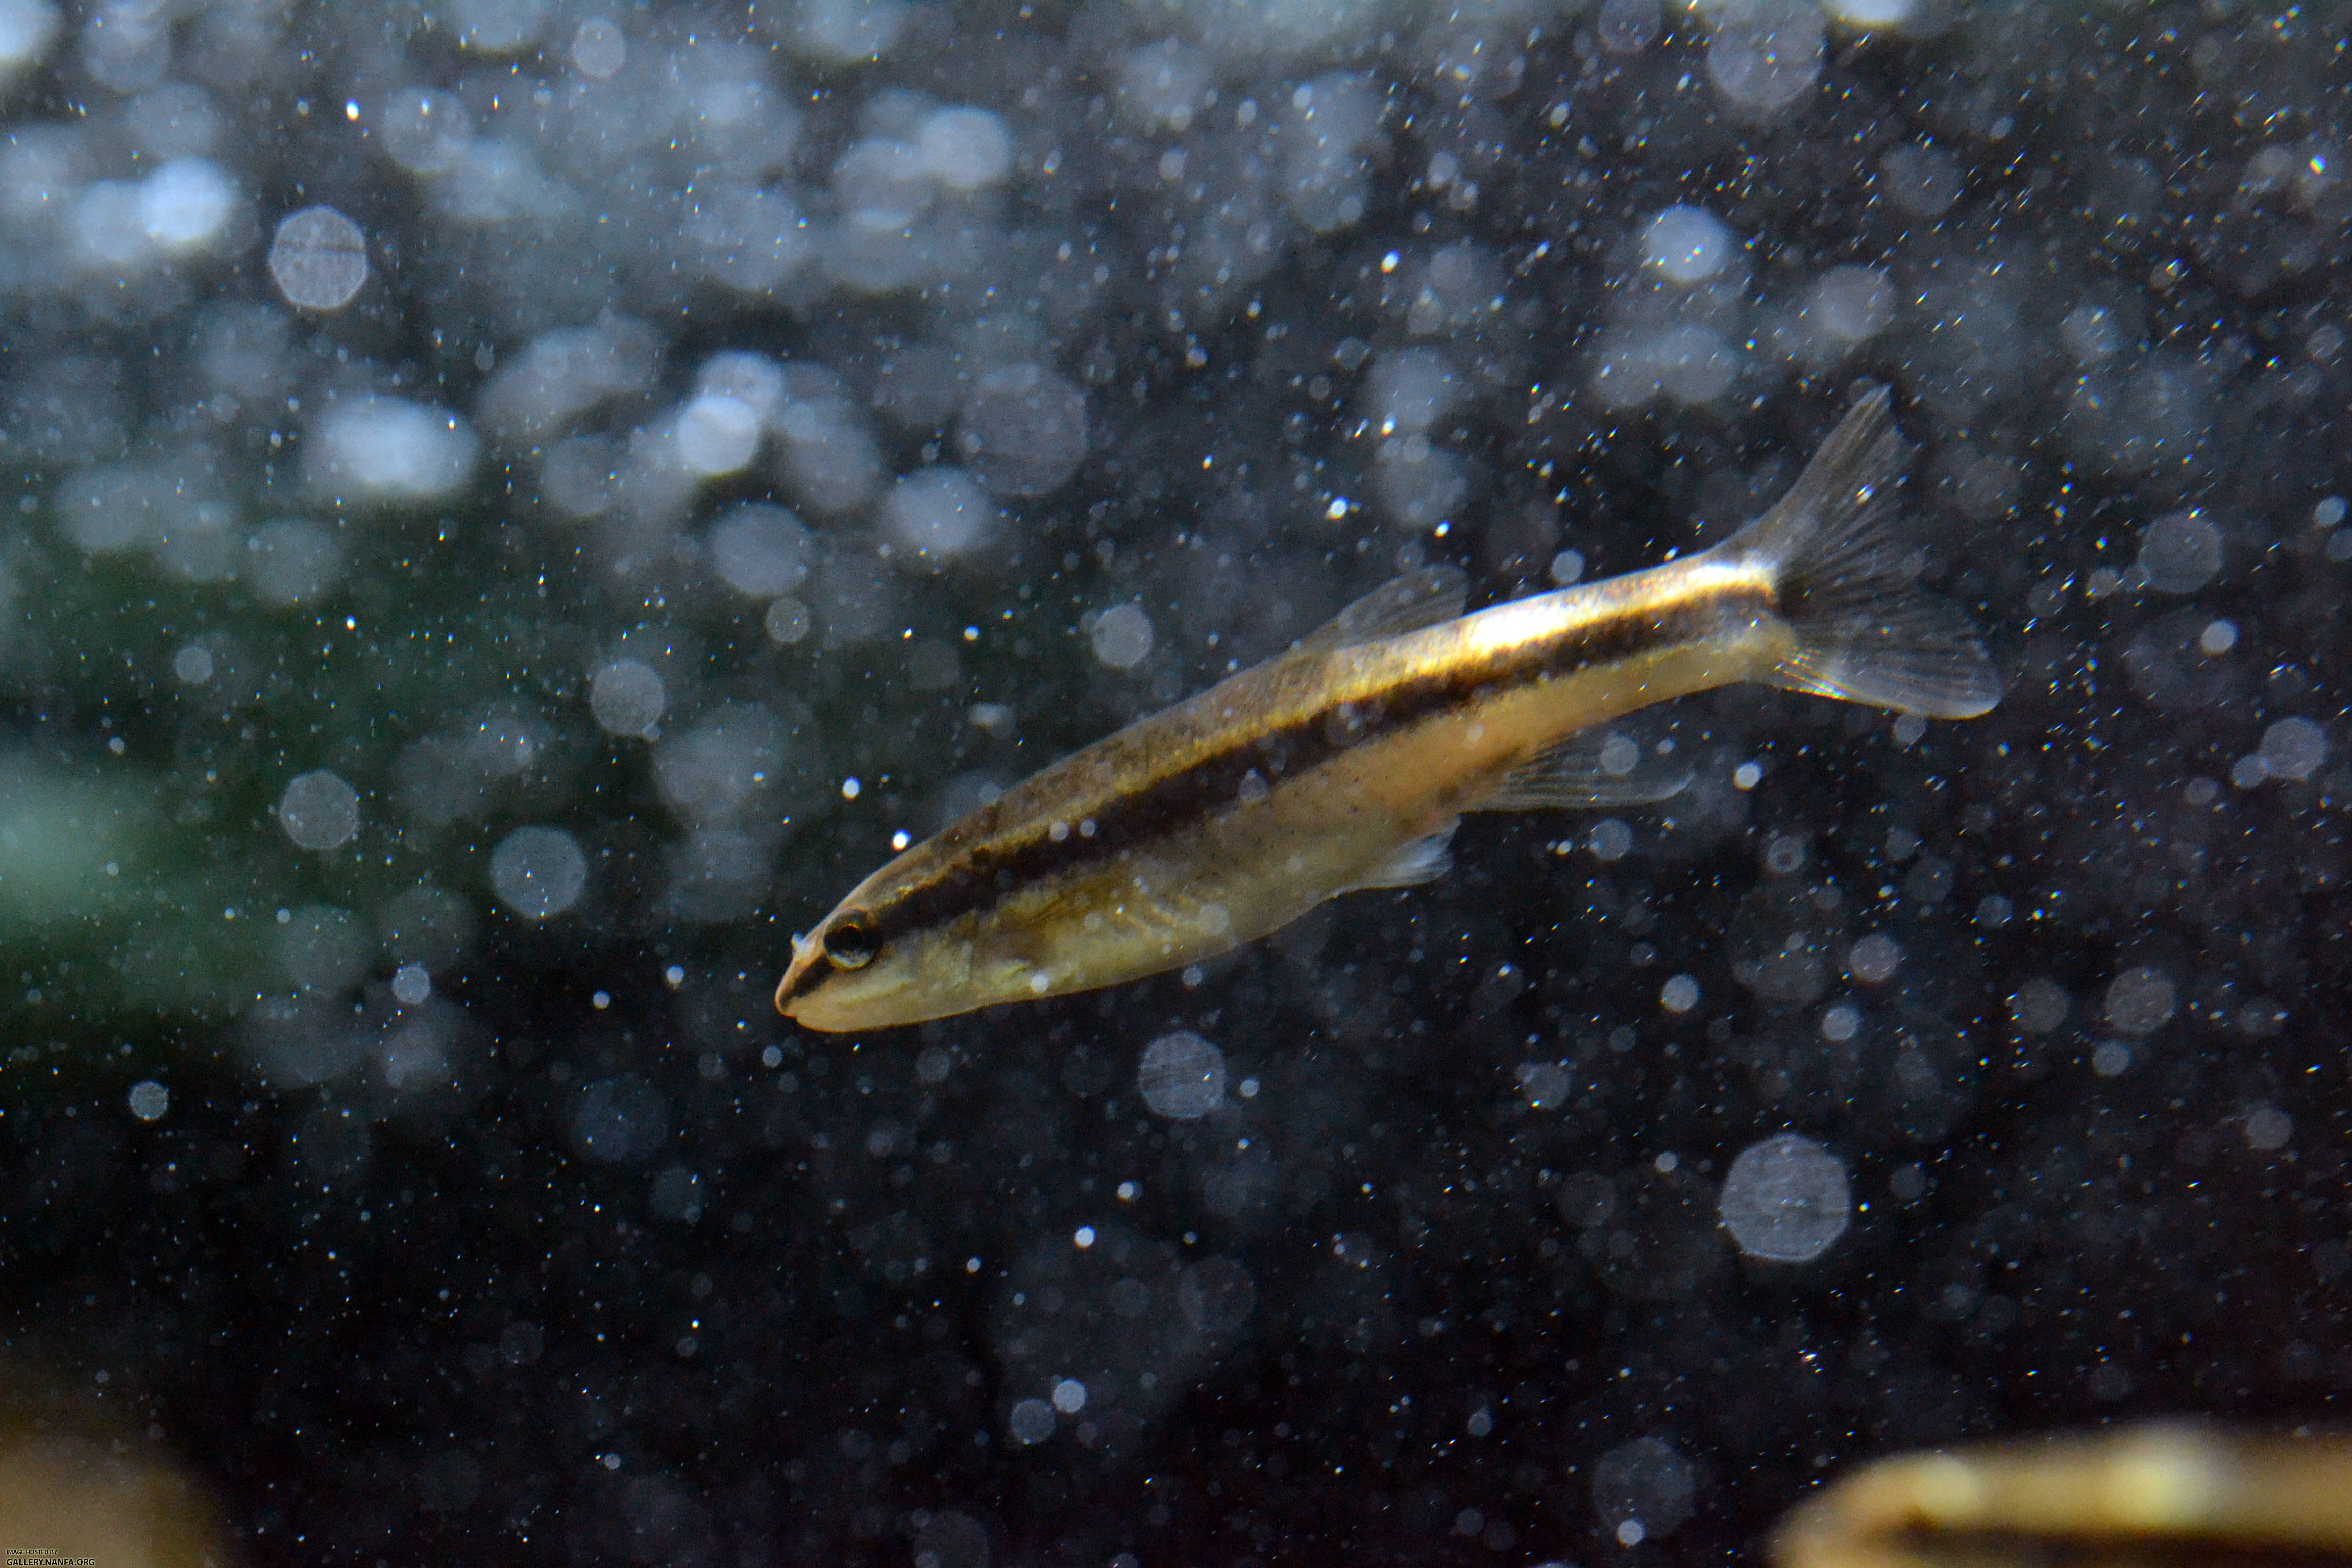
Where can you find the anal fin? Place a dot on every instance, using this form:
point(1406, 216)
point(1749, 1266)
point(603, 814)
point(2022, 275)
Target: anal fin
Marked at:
point(1589, 769)
point(1422, 859)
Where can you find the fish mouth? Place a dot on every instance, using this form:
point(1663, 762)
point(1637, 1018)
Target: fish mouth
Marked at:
point(835, 1008)
point(800, 979)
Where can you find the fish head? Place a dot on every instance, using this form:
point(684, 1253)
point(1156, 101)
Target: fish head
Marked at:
point(841, 977)
point(869, 966)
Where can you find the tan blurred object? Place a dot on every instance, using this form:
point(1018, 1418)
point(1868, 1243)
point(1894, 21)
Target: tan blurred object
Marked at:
point(2173, 1495)
point(68, 1499)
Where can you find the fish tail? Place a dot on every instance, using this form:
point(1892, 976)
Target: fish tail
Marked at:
point(1843, 569)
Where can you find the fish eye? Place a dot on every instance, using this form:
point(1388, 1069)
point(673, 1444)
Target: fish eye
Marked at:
point(850, 944)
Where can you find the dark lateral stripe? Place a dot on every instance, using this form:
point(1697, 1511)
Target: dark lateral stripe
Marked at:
point(995, 866)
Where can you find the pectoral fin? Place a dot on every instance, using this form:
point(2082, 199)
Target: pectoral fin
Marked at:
point(1422, 859)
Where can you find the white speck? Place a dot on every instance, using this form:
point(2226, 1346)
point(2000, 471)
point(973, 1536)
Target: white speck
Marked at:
point(1032, 1421)
point(1841, 1023)
point(599, 48)
point(319, 260)
point(1023, 429)
point(1847, 305)
point(2038, 1005)
point(2111, 1059)
point(2330, 511)
point(674, 975)
point(1687, 244)
point(150, 1100)
point(2091, 333)
point(721, 767)
point(1626, 28)
point(193, 665)
point(1679, 994)
point(389, 449)
point(1128, 1191)
point(1870, 13)
point(318, 947)
point(1645, 1489)
point(759, 550)
point(411, 985)
point(1161, 86)
point(1921, 181)
point(2293, 748)
point(1566, 567)
point(1611, 839)
point(186, 205)
point(1085, 1237)
point(288, 560)
point(1668, 1164)
point(1069, 1395)
point(1875, 958)
point(538, 872)
point(787, 621)
point(717, 433)
point(2180, 552)
point(746, 238)
point(626, 697)
point(1545, 1086)
point(1481, 1423)
point(28, 28)
point(619, 1120)
point(1410, 390)
point(932, 517)
point(1248, 1090)
point(1324, 144)
point(2217, 638)
point(1763, 57)
point(1182, 1076)
point(1121, 637)
point(422, 131)
point(1338, 509)
point(1747, 775)
point(497, 26)
point(1785, 1199)
point(850, 788)
point(318, 810)
point(2140, 1001)
point(963, 148)
point(899, 840)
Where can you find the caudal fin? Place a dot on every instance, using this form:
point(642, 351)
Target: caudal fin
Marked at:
point(1847, 569)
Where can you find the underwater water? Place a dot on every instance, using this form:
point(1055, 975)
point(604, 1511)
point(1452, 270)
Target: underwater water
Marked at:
point(518, 505)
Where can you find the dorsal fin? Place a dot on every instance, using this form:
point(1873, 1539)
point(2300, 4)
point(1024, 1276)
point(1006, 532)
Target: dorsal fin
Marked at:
point(1421, 597)
point(1597, 767)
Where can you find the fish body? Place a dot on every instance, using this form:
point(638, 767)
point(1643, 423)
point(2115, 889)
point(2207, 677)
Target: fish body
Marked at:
point(1346, 763)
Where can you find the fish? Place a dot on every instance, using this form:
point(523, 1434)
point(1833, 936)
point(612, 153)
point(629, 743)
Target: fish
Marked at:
point(1346, 761)
point(2162, 1495)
